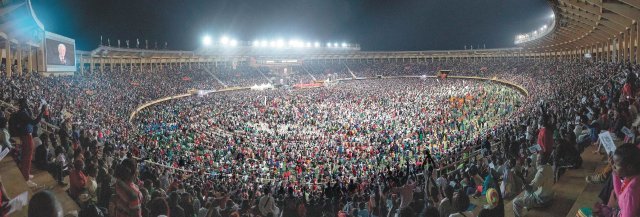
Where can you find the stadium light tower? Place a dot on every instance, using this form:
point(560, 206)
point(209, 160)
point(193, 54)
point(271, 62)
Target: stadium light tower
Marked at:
point(344, 44)
point(207, 41)
point(317, 44)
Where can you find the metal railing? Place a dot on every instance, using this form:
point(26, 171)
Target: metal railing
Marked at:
point(50, 128)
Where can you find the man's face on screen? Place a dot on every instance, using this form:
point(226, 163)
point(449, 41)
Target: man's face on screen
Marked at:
point(62, 50)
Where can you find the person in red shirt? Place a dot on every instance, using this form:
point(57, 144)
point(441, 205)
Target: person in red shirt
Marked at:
point(77, 179)
point(545, 137)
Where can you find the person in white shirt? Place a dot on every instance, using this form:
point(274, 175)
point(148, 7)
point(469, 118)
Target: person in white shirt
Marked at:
point(406, 193)
point(539, 191)
point(267, 205)
point(59, 163)
point(4, 134)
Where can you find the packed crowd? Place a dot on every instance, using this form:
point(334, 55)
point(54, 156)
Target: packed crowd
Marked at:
point(400, 147)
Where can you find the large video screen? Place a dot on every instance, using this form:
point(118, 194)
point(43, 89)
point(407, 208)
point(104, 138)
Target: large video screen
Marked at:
point(61, 53)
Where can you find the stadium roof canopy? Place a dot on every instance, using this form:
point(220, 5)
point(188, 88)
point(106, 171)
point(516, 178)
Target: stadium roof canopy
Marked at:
point(18, 22)
point(588, 24)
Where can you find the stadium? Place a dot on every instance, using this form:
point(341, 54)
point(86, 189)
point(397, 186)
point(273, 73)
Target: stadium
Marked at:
point(545, 126)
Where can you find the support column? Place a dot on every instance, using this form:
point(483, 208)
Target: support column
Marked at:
point(622, 46)
point(91, 66)
point(619, 52)
point(81, 65)
point(19, 54)
point(7, 48)
point(632, 43)
point(637, 43)
point(608, 50)
point(30, 61)
point(627, 43)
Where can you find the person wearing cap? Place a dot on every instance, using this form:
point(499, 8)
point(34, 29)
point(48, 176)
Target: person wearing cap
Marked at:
point(539, 192)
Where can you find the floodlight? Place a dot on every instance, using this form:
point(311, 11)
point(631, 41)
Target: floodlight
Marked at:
point(224, 40)
point(256, 43)
point(280, 43)
point(264, 43)
point(545, 26)
point(328, 44)
point(335, 44)
point(206, 40)
point(234, 43)
point(344, 44)
point(317, 44)
point(273, 44)
point(552, 16)
point(308, 44)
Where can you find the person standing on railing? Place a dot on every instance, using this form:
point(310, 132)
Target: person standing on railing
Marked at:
point(22, 124)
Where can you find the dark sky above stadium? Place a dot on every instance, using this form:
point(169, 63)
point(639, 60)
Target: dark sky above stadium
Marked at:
point(374, 24)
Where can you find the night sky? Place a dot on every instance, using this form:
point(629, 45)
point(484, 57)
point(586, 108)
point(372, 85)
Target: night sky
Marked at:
point(374, 24)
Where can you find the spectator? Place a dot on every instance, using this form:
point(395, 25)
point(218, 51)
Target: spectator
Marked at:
point(267, 205)
point(42, 157)
point(626, 179)
point(128, 199)
point(446, 206)
point(23, 125)
point(4, 133)
point(77, 180)
point(461, 205)
point(174, 206)
point(495, 204)
point(158, 206)
point(539, 192)
point(44, 204)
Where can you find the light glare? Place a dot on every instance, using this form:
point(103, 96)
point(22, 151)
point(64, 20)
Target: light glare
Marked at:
point(224, 40)
point(206, 40)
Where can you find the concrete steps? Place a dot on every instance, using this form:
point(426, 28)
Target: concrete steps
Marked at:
point(571, 192)
point(15, 184)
